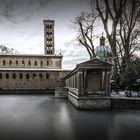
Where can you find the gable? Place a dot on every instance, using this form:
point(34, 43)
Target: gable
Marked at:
point(95, 63)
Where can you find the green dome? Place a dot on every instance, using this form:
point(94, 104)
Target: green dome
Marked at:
point(103, 50)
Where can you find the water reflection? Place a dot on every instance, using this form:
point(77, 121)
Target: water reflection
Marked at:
point(125, 125)
point(63, 124)
point(41, 117)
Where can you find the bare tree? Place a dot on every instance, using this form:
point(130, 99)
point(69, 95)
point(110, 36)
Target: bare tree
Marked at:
point(110, 12)
point(120, 19)
point(85, 27)
point(128, 32)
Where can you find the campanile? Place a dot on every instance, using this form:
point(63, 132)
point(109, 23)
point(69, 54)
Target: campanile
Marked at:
point(49, 48)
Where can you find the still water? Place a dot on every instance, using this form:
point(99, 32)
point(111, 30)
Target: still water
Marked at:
point(41, 117)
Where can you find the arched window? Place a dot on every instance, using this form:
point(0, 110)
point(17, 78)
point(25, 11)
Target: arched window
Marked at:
point(47, 63)
point(41, 63)
point(27, 76)
point(29, 62)
point(34, 76)
point(20, 76)
point(14, 76)
point(47, 76)
point(40, 76)
point(0, 76)
point(16, 62)
point(4, 62)
point(10, 62)
point(35, 62)
point(7, 76)
point(23, 63)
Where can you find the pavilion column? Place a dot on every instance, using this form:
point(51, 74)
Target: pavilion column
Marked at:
point(108, 83)
point(74, 81)
point(84, 81)
point(103, 80)
point(80, 83)
point(102, 87)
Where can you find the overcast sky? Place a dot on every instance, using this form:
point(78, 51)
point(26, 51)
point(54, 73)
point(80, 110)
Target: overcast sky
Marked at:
point(21, 27)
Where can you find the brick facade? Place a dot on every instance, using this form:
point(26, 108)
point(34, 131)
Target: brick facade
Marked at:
point(31, 61)
point(30, 79)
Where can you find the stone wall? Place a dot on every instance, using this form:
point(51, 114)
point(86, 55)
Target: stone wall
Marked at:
point(90, 103)
point(30, 80)
point(61, 92)
point(125, 103)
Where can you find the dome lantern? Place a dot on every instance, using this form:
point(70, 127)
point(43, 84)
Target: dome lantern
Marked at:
point(102, 41)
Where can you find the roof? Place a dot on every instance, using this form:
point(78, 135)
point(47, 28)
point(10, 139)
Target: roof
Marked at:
point(33, 69)
point(95, 61)
point(30, 55)
point(103, 51)
point(90, 65)
point(48, 20)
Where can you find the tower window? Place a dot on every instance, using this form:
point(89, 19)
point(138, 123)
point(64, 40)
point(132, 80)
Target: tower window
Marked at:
point(48, 27)
point(7, 76)
point(14, 76)
point(48, 33)
point(20, 76)
point(49, 39)
point(49, 45)
point(4, 62)
point(49, 52)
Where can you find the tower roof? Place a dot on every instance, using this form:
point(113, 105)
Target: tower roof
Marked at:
point(49, 22)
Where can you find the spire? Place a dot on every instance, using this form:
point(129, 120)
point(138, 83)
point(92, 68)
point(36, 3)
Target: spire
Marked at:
point(102, 40)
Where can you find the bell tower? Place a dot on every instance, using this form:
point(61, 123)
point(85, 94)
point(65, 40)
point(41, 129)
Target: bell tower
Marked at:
point(49, 37)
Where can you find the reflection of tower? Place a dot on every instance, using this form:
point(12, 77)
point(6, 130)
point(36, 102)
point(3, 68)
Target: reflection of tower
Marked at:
point(49, 37)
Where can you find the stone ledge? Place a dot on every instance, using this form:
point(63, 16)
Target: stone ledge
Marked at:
point(61, 92)
point(90, 103)
point(28, 91)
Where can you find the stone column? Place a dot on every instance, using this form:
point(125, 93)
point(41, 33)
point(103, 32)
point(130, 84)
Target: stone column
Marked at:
point(74, 81)
point(108, 84)
point(80, 83)
point(103, 80)
point(84, 81)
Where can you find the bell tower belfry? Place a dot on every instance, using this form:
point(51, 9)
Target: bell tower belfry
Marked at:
point(49, 37)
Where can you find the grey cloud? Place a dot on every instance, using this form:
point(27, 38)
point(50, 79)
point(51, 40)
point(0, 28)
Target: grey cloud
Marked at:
point(7, 8)
point(20, 11)
point(70, 63)
point(41, 2)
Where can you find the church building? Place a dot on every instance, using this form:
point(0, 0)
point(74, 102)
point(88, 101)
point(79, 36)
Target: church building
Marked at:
point(33, 72)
